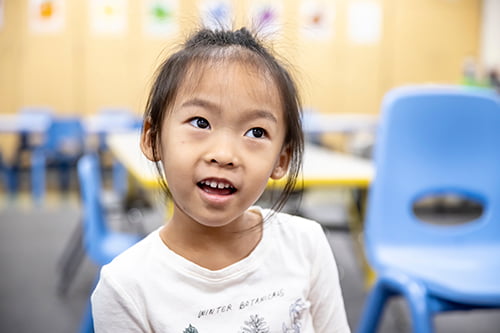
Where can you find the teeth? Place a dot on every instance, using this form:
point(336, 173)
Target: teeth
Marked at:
point(214, 184)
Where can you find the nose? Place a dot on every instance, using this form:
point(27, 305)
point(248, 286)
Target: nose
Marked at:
point(223, 152)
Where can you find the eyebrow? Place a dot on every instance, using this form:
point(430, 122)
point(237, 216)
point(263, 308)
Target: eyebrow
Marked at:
point(250, 115)
point(201, 103)
point(256, 114)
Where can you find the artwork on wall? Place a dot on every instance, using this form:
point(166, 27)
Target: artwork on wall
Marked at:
point(317, 19)
point(266, 17)
point(46, 16)
point(160, 18)
point(364, 22)
point(216, 14)
point(108, 17)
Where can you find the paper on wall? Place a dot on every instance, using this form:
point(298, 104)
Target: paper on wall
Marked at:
point(45, 16)
point(108, 17)
point(160, 18)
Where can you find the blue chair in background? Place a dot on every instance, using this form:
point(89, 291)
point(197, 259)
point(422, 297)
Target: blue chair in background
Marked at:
point(434, 140)
point(100, 242)
point(32, 125)
point(63, 145)
point(33, 122)
point(9, 175)
point(4, 173)
point(114, 120)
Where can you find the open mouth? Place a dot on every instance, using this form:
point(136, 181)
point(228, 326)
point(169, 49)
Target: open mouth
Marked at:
point(215, 186)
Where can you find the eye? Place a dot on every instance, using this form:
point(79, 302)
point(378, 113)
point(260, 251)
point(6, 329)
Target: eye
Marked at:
point(256, 132)
point(200, 122)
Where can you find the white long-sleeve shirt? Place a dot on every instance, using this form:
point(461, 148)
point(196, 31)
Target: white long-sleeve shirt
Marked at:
point(289, 283)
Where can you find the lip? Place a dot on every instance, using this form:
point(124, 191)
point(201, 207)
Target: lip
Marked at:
point(216, 190)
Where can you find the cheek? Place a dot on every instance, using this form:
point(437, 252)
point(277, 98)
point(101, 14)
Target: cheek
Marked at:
point(171, 139)
point(264, 170)
point(173, 156)
point(176, 173)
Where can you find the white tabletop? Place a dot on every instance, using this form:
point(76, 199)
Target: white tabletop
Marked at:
point(16, 123)
point(322, 167)
point(93, 124)
point(126, 149)
point(320, 123)
point(108, 124)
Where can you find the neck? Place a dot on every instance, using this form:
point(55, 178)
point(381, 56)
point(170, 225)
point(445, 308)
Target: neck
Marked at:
point(213, 247)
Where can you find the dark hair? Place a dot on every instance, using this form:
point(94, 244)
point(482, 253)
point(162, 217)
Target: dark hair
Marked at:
point(209, 46)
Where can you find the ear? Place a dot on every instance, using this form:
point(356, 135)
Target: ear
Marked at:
point(146, 143)
point(281, 167)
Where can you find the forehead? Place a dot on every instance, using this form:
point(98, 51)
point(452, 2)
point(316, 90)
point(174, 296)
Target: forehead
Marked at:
point(226, 77)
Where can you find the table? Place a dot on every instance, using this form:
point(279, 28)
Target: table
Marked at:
point(14, 125)
point(110, 123)
point(322, 167)
point(19, 123)
point(32, 126)
point(126, 149)
point(315, 123)
point(39, 123)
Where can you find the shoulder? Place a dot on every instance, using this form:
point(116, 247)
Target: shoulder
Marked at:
point(294, 233)
point(292, 225)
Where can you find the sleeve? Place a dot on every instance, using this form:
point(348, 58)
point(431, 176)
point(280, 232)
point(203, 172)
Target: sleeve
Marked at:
point(327, 303)
point(113, 309)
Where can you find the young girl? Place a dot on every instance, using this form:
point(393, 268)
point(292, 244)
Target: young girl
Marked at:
point(222, 119)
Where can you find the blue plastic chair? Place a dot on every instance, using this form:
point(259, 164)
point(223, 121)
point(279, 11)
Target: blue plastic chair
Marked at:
point(33, 121)
point(4, 173)
point(32, 125)
point(113, 120)
point(100, 242)
point(434, 140)
point(9, 175)
point(64, 144)
point(109, 120)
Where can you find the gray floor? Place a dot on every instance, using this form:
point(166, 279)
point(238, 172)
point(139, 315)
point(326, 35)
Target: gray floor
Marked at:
point(33, 238)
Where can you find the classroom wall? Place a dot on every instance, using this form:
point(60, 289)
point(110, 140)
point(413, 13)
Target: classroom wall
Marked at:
point(422, 41)
point(76, 71)
point(490, 35)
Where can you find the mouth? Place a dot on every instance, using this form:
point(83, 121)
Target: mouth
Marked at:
point(216, 186)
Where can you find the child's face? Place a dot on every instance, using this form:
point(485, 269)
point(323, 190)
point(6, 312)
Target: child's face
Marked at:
point(221, 142)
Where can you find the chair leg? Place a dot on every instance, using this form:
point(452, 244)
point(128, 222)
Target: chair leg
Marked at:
point(119, 178)
point(64, 176)
point(12, 179)
point(87, 324)
point(421, 315)
point(71, 259)
point(38, 175)
point(374, 308)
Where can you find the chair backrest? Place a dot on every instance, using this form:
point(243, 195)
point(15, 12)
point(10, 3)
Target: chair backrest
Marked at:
point(67, 134)
point(34, 122)
point(432, 140)
point(94, 224)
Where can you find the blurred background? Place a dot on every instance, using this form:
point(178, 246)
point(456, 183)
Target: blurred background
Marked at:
point(81, 56)
point(81, 61)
